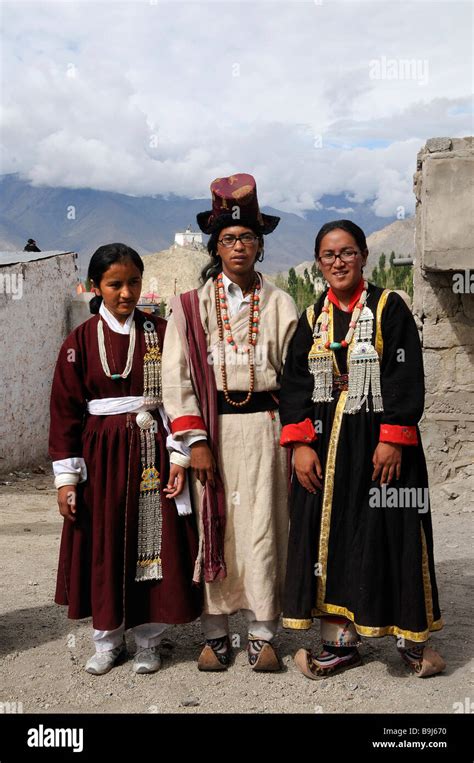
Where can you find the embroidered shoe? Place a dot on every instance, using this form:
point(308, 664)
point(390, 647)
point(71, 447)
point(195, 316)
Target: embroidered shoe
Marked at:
point(325, 664)
point(147, 660)
point(262, 656)
point(215, 655)
point(102, 662)
point(423, 660)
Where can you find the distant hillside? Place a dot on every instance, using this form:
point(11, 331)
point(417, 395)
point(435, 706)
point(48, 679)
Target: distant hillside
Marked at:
point(82, 219)
point(398, 237)
point(173, 271)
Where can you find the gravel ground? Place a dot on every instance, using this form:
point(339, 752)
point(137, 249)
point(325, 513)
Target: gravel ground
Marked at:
point(42, 653)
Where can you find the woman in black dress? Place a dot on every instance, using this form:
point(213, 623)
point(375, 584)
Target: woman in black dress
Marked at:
point(360, 549)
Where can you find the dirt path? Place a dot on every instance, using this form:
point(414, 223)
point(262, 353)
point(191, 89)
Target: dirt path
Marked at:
point(42, 654)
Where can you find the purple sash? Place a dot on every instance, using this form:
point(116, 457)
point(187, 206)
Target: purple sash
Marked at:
point(185, 309)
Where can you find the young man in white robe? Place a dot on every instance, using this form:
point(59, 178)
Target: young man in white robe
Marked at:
point(223, 355)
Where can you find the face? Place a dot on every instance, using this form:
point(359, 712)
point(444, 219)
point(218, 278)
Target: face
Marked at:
point(239, 259)
point(343, 276)
point(120, 288)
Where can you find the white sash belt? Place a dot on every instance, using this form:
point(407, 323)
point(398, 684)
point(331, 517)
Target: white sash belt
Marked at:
point(108, 406)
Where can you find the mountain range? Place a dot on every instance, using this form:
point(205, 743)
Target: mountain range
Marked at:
point(82, 219)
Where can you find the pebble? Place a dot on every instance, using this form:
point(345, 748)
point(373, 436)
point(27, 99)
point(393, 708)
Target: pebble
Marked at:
point(190, 702)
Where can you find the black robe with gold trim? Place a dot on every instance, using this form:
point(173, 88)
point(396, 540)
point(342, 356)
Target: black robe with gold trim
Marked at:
point(371, 564)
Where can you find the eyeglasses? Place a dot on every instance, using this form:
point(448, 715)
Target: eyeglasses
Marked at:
point(329, 258)
point(229, 241)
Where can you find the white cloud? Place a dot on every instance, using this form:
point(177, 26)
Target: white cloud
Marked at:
point(146, 98)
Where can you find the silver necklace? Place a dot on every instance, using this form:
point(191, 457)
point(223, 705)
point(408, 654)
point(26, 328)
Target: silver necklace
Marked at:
point(103, 352)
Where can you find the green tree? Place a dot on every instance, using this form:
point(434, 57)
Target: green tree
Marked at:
point(301, 289)
point(395, 276)
point(292, 283)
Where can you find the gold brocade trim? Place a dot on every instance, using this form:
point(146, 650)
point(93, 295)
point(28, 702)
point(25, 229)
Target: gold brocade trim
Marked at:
point(363, 630)
point(383, 630)
point(327, 497)
point(426, 579)
point(310, 316)
point(378, 322)
point(324, 608)
point(291, 622)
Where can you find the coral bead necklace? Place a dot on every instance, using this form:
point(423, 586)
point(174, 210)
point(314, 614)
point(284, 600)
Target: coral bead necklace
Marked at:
point(223, 323)
point(352, 325)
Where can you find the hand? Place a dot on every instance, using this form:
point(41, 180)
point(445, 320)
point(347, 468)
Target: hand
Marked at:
point(175, 481)
point(203, 463)
point(67, 501)
point(307, 467)
point(387, 459)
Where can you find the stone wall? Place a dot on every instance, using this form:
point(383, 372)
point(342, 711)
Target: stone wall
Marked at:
point(33, 329)
point(443, 303)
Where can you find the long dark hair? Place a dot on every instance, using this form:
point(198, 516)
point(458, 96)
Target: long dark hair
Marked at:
point(346, 225)
point(214, 267)
point(102, 259)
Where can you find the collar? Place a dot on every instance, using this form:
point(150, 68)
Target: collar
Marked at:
point(234, 288)
point(354, 299)
point(113, 323)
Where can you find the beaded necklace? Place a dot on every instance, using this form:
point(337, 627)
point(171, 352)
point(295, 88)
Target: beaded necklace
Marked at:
point(150, 519)
point(223, 324)
point(103, 352)
point(352, 325)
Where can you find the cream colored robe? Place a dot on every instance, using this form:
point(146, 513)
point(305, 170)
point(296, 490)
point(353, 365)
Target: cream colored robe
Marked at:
point(252, 463)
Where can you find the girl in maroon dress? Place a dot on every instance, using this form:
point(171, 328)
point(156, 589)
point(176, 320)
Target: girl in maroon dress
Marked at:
point(129, 540)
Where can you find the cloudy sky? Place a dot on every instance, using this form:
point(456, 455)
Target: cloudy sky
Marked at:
point(153, 97)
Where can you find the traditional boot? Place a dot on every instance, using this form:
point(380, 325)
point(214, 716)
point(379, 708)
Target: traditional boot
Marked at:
point(262, 656)
point(339, 652)
point(423, 660)
point(326, 663)
point(215, 655)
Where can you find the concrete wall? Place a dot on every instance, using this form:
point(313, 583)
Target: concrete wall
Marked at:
point(443, 304)
point(80, 309)
point(33, 329)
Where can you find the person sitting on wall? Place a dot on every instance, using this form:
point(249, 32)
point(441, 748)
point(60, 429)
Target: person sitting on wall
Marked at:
point(31, 246)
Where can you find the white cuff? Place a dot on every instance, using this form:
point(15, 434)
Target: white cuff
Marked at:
point(65, 479)
point(172, 444)
point(71, 466)
point(180, 459)
point(190, 439)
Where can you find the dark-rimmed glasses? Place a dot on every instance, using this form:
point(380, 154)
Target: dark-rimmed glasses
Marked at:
point(346, 255)
point(230, 241)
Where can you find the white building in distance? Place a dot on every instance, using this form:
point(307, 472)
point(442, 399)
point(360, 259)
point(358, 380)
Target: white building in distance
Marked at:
point(188, 238)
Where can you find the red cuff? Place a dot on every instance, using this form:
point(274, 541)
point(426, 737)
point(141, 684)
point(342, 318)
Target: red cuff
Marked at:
point(399, 435)
point(183, 423)
point(302, 432)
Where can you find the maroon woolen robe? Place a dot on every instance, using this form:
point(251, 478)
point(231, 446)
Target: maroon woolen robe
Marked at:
point(98, 554)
